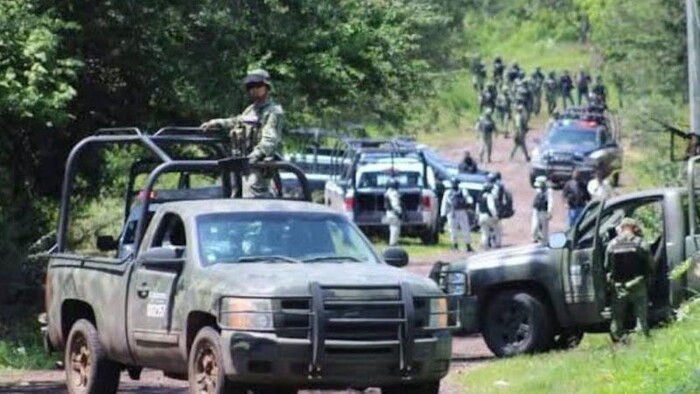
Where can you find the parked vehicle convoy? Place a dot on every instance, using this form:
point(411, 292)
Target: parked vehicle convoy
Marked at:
point(577, 144)
point(237, 295)
point(358, 188)
point(532, 298)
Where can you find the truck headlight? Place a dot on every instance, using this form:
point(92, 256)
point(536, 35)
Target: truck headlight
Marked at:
point(246, 313)
point(438, 313)
point(456, 283)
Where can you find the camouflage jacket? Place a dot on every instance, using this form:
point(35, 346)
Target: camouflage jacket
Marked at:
point(262, 125)
point(645, 255)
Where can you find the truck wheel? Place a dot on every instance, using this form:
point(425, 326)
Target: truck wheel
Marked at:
point(420, 388)
point(88, 370)
point(567, 340)
point(430, 236)
point(276, 390)
point(516, 322)
point(206, 369)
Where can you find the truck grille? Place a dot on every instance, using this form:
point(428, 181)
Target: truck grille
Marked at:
point(342, 307)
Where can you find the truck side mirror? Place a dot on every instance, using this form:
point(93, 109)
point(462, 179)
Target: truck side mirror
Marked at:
point(557, 240)
point(163, 258)
point(106, 243)
point(396, 257)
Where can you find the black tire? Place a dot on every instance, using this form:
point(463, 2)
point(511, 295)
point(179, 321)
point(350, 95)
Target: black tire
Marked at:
point(276, 390)
point(88, 370)
point(517, 322)
point(419, 388)
point(205, 366)
point(566, 340)
point(430, 236)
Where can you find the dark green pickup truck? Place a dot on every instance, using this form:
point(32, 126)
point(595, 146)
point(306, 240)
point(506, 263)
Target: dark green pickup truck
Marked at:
point(536, 297)
point(240, 295)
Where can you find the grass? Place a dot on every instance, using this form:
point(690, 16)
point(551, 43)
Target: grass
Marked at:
point(21, 346)
point(415, 248)
point(665, 364)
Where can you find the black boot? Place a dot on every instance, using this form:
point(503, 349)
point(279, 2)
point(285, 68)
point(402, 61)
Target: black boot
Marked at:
point(469, 248)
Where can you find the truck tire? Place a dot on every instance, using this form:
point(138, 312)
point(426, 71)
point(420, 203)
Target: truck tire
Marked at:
point(568, 339)
point(517, 322)
point(430, 236)
point(276, 390)
point(420, 388)
point(205, 366)
point(88, 370)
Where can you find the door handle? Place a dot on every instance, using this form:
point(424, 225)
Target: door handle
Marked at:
point(142, 290)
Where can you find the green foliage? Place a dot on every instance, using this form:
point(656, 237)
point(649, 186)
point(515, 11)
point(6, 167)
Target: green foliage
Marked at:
point(21, 346)
point(661, 365)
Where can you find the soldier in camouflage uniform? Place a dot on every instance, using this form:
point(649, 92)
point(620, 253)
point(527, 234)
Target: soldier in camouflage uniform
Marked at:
point(503, 110)
point(521, 127)
point(487, 98)
point(255, 133)
point(629, 264)
point(479, 75)
point(486, 128)
point(550, 92)
point(394, 211)
point(537, 83)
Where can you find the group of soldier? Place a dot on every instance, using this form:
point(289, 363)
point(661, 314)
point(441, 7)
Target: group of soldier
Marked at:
point(256, 135)
point(513, 97)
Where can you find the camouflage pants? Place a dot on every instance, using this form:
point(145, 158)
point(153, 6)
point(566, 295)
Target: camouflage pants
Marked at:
point(636, 299)
point(520, 143)
point(256, 184)
point(551, 103)
point(394, 222)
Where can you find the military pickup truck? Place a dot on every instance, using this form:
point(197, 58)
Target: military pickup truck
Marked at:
point(360, 181)
point(239, 296)
point(577, 144)
point(532, 298)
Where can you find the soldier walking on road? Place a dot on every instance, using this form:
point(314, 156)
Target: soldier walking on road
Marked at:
point(454, 207)
point(479, 75)
point(537, 84)
point(629, 265)
point(576, 195)
point(541, 210)
point(394, 211)
point(486, 128)
point(503, 110)
point(521, 128)
point(498, 69)
point(582, 82)
point(600, 91)
point(257, 132)
point(488, 216)
point(566, 85)
point(550, 92)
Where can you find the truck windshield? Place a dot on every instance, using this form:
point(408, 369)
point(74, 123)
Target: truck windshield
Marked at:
point(247, 237)
point(569, 136)
point(380, 179)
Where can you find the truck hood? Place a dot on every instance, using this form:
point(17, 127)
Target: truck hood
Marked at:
point(507, 257)
point(576, 149)
point(293, 280)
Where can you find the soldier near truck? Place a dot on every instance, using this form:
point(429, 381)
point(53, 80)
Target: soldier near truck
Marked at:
point(394, 211)
point(257, 132)
point(629, 265)
point(486, 128)
point(454, 207)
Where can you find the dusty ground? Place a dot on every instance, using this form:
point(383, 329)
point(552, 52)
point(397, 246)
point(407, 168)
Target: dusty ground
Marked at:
point(467, 352)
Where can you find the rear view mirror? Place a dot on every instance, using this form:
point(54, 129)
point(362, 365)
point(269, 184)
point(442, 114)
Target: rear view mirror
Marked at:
point(557, 240)
point(396, 257)
point(106, 243)
point(163, 258)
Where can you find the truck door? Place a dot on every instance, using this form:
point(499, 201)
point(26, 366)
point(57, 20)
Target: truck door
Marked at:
point(692, 242)
point(154, 332)
point(583, 271)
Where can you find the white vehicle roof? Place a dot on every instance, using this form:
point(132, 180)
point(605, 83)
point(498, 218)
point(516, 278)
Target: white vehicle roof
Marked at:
point(399, 164)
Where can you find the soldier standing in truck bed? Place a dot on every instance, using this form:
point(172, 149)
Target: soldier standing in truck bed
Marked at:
point(257, 132)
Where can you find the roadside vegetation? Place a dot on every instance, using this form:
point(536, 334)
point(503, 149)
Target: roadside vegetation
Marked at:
point(664, 364)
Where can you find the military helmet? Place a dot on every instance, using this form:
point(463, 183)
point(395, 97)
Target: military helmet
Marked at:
point(258, 76)
point(393, 183)
point(488, 111)
point(628, 222)
point(540, 181)
point(454, 183)
point(552, 74)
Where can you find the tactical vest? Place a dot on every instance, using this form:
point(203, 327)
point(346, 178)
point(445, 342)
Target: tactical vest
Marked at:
point(245, 135)
point(484, 205)
point(458, 201)
point(626, 262)
point(540, 203)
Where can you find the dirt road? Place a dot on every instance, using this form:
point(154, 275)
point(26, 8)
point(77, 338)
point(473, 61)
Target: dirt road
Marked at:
point(467, 352)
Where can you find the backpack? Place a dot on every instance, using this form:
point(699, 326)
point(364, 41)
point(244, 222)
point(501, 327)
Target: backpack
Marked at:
point(504, 203)
point(458, 201)
point(487, 125)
